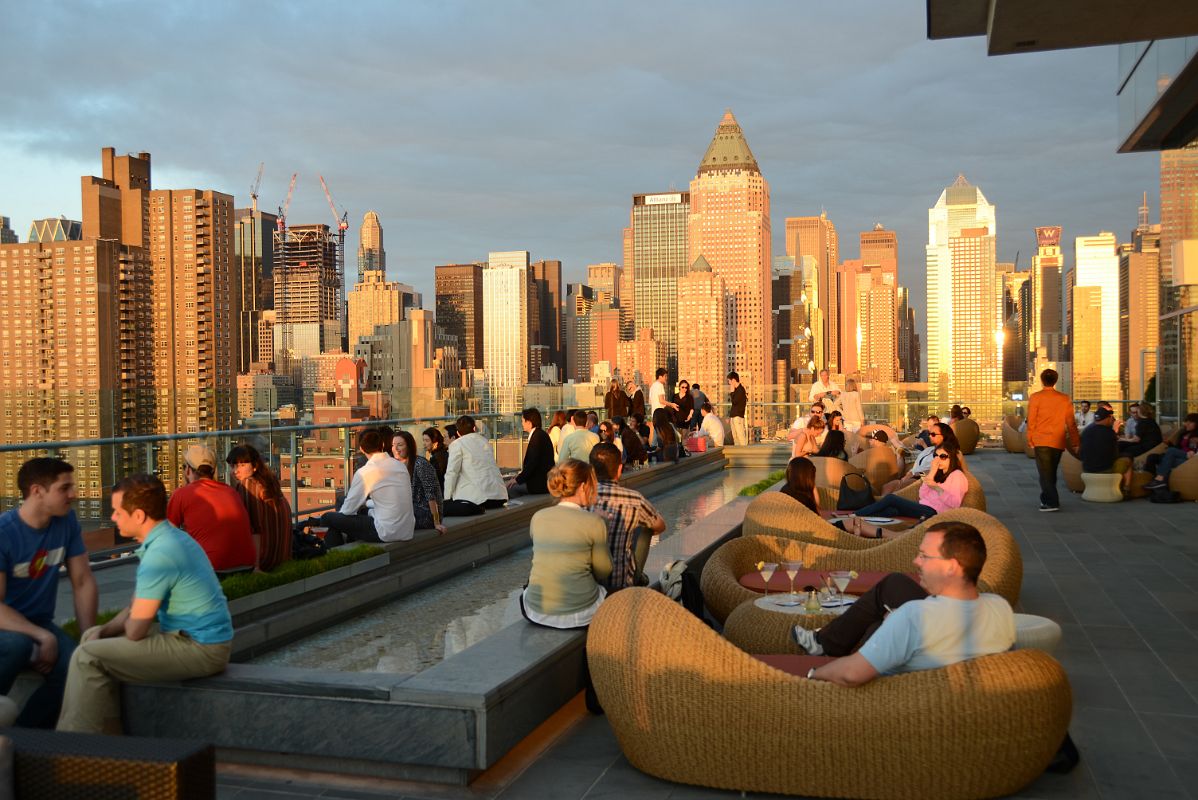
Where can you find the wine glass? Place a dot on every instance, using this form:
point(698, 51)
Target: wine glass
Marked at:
point(841, 578)
point(792, 569)
point(767, 571)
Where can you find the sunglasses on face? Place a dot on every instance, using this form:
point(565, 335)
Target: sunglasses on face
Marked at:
point(942, 455)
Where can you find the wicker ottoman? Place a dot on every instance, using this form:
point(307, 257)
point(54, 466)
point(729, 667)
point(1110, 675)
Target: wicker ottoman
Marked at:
point(1036, 633)
point(1102, 487)
point(761, 631)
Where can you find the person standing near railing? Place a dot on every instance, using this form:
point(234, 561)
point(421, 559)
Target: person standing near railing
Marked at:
point(36, 539)
point(736, 416)
point(850, 406)
point(636, 399)
point(615, 402)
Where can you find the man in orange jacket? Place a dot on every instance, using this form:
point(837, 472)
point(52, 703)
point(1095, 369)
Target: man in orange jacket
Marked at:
point(1051, 428)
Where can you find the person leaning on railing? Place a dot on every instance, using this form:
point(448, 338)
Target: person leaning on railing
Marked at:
point(270, 513)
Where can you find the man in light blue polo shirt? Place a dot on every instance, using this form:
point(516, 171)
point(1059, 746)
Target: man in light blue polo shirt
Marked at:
point(909, 627)
point(176, 592)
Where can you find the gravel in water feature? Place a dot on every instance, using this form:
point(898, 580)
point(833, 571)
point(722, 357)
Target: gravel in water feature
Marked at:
point(419, 630)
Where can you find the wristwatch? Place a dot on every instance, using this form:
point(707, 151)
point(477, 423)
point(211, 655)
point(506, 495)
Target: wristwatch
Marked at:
point(811, 673)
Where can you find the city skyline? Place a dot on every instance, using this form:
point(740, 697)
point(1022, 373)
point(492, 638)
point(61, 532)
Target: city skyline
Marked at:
point(856, 144)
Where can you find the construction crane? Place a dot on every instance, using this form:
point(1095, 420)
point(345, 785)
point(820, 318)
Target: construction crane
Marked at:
point(254, 188)
point(342, 224)
point(286, 204)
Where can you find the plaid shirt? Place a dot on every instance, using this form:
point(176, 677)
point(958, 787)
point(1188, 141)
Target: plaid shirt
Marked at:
point(624, 510)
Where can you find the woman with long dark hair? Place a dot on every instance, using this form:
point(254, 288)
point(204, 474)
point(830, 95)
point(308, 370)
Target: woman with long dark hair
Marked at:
point(426, 490)
point(800, 483)
point(663, 437)
point(270, 513)
point(833, 446)
point(438, 454)
point(941, 489)
point(686, 404)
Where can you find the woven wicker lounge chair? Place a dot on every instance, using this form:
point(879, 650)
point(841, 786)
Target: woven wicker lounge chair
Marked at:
point(968, 433)
point(688, 706)
point(776, 514)
point(1012, 439)
point(829, 471)
point(722, 592)
point(1071, 471)
point(879, 465)
point(975, 496)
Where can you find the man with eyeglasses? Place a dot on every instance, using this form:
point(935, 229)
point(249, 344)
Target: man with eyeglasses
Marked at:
point(904, 626)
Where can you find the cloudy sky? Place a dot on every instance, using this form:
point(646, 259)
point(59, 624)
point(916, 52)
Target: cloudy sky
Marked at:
point(510, 125)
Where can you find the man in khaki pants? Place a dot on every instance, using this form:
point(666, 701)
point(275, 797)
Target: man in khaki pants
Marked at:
point(188, 637)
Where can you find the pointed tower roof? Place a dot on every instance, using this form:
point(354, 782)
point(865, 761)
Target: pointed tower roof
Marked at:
point(700, 265)
point(728, 149)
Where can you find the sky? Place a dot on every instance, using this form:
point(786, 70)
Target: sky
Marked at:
point(472, 127)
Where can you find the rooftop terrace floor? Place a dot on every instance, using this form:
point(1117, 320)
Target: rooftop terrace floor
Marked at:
point(1122, 580)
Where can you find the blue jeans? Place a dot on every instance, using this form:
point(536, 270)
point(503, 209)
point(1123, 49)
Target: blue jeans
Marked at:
point(1171, 459)
point(41, 711)
point(894, 506)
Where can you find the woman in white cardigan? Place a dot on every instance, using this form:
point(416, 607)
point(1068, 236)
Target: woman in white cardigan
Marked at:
point(472, 480)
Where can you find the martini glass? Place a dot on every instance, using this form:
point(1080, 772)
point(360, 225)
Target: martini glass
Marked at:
point(792, 569)
point(767, 571)
point(841, 578)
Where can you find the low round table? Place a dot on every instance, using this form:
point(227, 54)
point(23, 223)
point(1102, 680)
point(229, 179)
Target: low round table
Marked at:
point(755, 628)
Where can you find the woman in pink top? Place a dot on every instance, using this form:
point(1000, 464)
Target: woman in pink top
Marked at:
point(942, 488)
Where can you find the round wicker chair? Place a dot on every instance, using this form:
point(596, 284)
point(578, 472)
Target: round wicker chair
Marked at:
point(1071, 471)
point(720, 581)
point(776, 514)
point(975, 496)
point(879, 465)
point(968, 433)
point(829, 471)
point(689, 707)
point(1012, 439)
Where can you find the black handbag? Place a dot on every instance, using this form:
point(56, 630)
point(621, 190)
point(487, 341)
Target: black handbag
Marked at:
point(855, 493)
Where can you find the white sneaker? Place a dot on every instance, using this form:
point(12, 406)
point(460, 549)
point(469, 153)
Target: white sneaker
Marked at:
point(806, 640)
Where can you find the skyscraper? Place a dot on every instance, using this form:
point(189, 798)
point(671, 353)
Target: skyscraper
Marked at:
point(547, 326)
point(702, 312)
point(374, 301)
point(1014, 315)
point(816, 237)
point(797, 318)
point(877, 323)
point(627, 284)
point(659, 252)
point(908, 339)
point(506, 342)
point(848, 325)
point(54, 229)
point(371, 256)
point(580, 299)
point(307, 295)
point(7, 234)
point(1096, 318)
point(1177, 381)
point(880, 246)
point(253, 252)
point(964, 300)
point(459, 290)
point(1139, 306)
point(1044, 314)
point(730, 227)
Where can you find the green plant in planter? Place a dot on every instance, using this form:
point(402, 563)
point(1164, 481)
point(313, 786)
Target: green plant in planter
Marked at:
point(754, 489)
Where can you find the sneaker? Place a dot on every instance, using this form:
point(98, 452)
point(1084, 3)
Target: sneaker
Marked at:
point(806, 641)
point(1045, 507)
point(1155, 485)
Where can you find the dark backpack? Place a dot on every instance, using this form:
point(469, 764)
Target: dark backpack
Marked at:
point(306, 545)
point(1162, 494)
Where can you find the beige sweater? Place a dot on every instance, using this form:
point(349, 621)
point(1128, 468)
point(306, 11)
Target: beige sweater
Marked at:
point(569, 560)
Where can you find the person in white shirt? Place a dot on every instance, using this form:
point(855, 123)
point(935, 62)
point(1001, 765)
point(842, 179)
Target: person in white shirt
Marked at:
point(824, 389)
point(472, 480)
point(907, 626)
point(657, 393)
point(383, 484)
point(850, 406)
point(1084, 416)
point(712, 427)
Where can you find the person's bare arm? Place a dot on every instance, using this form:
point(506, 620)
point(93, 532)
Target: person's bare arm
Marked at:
point(84, 590)
point(141, 616)
point(15, 621)
point(114, 627)
point(849, 671)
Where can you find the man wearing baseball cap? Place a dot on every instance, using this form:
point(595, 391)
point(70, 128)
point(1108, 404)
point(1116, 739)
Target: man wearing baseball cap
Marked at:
point(1099, 450)
point(212, 513)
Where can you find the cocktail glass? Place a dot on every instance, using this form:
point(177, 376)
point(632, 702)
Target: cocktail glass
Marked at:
point(841, 578)
point(792, 569)
point(767, 571)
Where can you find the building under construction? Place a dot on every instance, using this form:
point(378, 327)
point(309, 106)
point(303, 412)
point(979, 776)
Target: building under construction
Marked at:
point(309, 295)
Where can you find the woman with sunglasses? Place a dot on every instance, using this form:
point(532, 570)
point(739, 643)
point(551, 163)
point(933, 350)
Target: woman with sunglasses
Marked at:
point(942, 488)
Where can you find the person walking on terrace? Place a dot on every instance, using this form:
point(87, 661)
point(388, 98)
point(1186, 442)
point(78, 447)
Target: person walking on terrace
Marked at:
point(538, 458)
point(270, 513)
point(903, 626)
point(624, 511)
point(384, 487)
point(736, 415)
point(212, 513)
point(1051, 427)
point(177, 626)
point(36, 539)
point(472, 480)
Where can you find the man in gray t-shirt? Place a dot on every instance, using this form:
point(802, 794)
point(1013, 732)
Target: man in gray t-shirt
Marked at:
point(907, 626)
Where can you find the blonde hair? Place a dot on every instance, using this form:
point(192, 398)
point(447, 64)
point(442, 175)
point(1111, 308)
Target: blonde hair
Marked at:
point(567, 477)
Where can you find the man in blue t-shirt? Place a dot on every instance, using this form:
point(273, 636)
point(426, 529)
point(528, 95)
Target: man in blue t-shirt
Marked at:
point(36, 538)
point(177, 626)
point(907, 626)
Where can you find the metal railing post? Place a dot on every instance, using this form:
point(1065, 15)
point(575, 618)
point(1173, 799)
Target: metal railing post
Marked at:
point(294, 470)
point(149, 458)
point(347, 472)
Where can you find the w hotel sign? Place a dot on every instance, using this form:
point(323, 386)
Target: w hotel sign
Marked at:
point(1049, 236)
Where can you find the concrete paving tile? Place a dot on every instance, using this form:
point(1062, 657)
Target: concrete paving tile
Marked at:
point(1123, 759)
point(551, 777)
point(1076, 785)
point(623, 780)
point(1186, 770)
point(1175, 735)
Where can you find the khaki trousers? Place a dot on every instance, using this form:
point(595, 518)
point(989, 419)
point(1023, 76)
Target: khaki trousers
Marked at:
point(92, 700)
point(740, 436)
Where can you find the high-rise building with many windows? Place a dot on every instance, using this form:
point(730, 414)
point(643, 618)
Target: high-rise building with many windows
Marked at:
point(253, 252)
point(371, 255)
point(730, 228)
point(1044, 328)
point(459, 291)
point(1139, 306)
point(307, 298)
point(702, 311)
point(964, 305)
point(546, 329)
point(659, 252)
point(506, 342)
point(1177, 380)
point(7, 234)
point(1096, 372)
point(816, 237)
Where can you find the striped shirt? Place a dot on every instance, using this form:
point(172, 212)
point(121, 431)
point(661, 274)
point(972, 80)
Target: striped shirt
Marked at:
point(625, 510)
